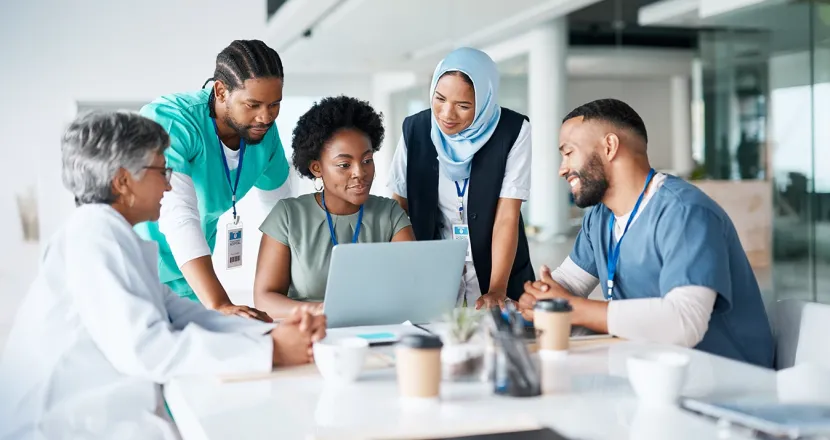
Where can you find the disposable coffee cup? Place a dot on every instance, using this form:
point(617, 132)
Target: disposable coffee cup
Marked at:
point(552, 320)
point(418, 364)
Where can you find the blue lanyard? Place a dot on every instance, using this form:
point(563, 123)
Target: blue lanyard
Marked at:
point(331, 224)
point(234, 185)
point(614, 251)
point(460, 192)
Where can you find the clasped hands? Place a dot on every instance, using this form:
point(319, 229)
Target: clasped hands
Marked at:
point(293, 337)
point(545, 288)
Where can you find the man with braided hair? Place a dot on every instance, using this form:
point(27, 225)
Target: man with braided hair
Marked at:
point(223, 142)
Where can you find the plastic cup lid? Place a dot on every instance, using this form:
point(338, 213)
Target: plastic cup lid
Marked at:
point(553, 305)
point(420, 341)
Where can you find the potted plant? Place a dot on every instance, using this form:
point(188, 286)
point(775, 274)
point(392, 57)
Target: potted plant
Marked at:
point(462, 357)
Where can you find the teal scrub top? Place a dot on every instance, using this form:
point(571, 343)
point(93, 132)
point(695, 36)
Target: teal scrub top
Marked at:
point(195, 151)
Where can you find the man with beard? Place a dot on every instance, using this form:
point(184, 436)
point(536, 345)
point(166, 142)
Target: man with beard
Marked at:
point(223, 142)
point(681, 275)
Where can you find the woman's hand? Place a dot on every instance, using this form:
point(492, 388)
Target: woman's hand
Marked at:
point(244, 311)
point(294, 336)
point(492, 299)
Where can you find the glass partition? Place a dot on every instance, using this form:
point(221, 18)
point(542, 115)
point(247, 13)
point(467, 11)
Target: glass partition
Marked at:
point(767, 91)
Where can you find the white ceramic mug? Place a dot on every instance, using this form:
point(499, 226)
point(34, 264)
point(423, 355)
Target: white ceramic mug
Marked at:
point(340, 359)
point(658, 377)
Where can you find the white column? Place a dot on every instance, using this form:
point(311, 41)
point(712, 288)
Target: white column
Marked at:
point(384, 84)
point(549, 206)
point(698, 126)
point(681, 121)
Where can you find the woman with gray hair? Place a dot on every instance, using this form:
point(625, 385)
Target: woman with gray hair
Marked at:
point(98, 333)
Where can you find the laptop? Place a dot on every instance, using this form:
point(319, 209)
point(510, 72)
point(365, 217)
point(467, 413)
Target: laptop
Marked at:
point(377, 284)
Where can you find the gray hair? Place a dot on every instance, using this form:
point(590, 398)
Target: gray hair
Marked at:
point(96, 145)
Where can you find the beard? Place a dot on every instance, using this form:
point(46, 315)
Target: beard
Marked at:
point(592, 183)
point(244, 131)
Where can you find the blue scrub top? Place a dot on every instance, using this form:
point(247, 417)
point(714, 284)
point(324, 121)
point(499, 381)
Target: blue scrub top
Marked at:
point(683, 238)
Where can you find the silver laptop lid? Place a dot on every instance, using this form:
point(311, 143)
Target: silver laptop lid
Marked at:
point(390, 283)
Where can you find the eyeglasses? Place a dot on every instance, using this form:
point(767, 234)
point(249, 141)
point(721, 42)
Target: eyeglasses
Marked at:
point(167, 172)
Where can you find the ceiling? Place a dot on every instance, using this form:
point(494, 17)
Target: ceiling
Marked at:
point(364, 36)
point(615, 23)
point(367, 36)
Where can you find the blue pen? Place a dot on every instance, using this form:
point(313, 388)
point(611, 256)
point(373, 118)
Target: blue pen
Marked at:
point(506, 318)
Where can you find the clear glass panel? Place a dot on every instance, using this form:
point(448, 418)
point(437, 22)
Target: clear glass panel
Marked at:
point(760, 73)
point(821, 150)
point(791, 144)
point(735, 103)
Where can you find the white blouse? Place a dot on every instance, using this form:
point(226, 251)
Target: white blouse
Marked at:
point(515, 185)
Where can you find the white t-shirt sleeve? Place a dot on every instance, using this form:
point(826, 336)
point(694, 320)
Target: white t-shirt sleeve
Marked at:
point(180, 221)
point(574, 279)
point(269, 199)
point(397, 173)
point(516, 183)
point(679, 318)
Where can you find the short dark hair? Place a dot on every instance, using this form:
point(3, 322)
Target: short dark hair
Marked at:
point(242, 60)
point(612, 111)
point(324, 119)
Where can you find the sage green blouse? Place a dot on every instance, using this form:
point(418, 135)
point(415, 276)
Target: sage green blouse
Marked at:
point(300, 223)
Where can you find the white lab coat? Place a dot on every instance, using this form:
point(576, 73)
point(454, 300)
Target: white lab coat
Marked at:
point(98, 333)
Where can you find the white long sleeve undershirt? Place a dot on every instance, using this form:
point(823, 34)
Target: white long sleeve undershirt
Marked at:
point(680, 318)
point(180, 221)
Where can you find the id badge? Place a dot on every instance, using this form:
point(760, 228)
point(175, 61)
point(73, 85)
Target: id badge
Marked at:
point(234, 237)
point(462, 232)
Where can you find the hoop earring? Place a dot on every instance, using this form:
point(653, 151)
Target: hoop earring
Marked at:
point(320, 189)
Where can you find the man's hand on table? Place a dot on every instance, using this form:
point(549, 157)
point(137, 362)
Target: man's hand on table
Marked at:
point(294, 335)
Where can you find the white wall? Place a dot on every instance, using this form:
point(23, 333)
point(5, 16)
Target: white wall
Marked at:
point(67, 52)
point(298, 83)
point(72, 52)
point(650, 97)
point(57, 53)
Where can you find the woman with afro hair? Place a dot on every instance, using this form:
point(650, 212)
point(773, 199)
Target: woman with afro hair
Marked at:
point(334, 143)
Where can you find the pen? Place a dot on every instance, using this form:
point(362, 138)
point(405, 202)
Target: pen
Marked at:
point(423, 328)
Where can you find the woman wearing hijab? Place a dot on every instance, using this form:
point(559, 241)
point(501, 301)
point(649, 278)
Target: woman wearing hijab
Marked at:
point(462, 171)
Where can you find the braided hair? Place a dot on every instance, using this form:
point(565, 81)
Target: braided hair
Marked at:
point(244, 59)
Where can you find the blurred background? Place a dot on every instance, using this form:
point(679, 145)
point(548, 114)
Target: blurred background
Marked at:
point(735, 95)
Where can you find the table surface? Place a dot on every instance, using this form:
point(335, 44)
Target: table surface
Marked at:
point(587, 396)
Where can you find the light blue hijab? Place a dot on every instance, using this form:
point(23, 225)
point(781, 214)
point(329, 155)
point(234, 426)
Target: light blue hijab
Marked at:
point(455, 152)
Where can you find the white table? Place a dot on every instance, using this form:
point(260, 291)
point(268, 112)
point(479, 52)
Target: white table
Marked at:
point(591, 399)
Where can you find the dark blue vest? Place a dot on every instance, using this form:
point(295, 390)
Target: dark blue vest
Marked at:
point(486, 178)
